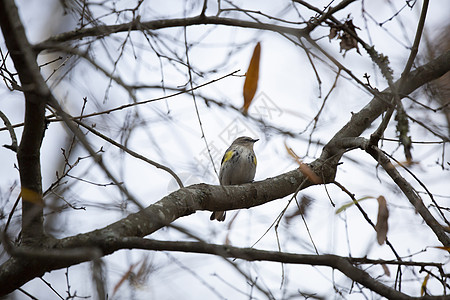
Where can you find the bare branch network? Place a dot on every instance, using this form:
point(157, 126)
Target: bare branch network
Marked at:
point(37, 252)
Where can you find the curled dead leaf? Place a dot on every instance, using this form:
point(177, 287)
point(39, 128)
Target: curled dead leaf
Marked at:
point(348, 38)
point(347, 34)
point(333, 33)
point(348, 42)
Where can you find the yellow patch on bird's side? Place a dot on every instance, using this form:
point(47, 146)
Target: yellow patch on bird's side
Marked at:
point(227, 156)
point(254, 160)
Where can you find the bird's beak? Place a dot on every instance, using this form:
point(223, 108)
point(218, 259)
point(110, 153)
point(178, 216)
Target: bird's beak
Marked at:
point(255, 140)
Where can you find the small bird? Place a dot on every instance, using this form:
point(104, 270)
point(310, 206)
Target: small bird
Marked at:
point(238, 166)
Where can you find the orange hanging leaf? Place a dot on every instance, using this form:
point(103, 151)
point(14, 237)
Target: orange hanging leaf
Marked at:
point(382, 220)
point(251, 78)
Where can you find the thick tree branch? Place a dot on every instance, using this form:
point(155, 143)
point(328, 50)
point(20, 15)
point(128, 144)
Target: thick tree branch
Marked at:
point(36, 91)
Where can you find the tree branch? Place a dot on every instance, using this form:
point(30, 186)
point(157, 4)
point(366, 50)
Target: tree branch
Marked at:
point(36, 91)
point(348, 266)
point(106, 30)
point(343, 264)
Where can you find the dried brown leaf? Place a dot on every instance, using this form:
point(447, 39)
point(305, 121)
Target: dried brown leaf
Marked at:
point(333, 33)
point(348, 40)
point(382, 220)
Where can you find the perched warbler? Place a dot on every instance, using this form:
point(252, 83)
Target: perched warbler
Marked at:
point(238, 166)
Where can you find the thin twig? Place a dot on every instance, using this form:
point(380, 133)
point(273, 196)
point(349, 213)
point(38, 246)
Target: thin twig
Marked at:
point(195, 102)
point(12, 134)
point(132, 153)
